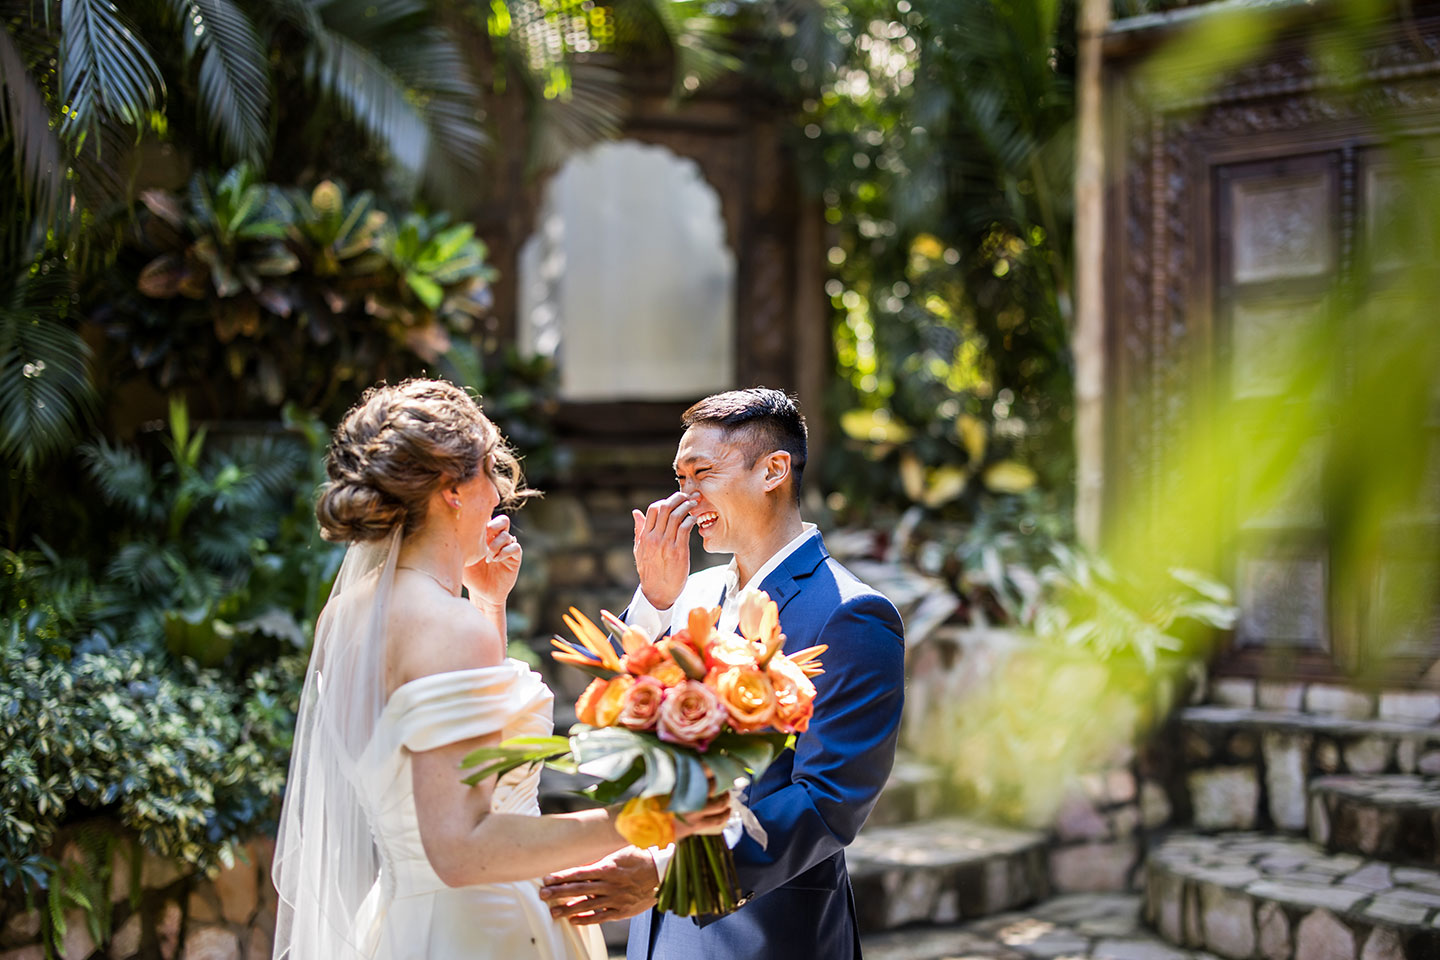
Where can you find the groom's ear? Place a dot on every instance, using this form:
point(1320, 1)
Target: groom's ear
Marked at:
point(777, 468)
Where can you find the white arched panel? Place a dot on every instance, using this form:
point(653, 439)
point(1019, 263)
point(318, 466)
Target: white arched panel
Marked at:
point(628, 281)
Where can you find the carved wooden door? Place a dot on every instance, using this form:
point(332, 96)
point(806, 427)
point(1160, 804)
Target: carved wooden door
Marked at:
point(1287, 230)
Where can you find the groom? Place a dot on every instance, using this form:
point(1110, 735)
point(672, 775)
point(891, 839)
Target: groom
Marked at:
point(739, 466)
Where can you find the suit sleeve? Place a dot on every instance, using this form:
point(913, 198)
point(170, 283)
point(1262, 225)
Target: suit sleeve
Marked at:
point(842, 762)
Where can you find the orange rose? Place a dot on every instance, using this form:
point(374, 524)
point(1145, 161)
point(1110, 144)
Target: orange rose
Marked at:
point(748, 695)
point(731, 650)
point(585, 706)
point(642, 704)
point(612, 700)
point(794, 695)
point(668, 672)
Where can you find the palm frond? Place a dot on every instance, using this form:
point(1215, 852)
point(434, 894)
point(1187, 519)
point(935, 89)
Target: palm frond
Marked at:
point(370, 95)
point(105, 70)
point(25, 122)
point(590, 114)
point(700, 41)
point(45, 390)
point(234, 74)
point(124, 479)
point(145, 567)
point(438, 74)
point(276, 465)
point(225, 547)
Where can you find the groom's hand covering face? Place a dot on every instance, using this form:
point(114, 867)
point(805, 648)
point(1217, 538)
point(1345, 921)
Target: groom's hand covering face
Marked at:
point(662, 548)
point(732, 476)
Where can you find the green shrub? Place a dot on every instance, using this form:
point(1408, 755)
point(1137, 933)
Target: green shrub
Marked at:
point(189, 760)
point(244, 294)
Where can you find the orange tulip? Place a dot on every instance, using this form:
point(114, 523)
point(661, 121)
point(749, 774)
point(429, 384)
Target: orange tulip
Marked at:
point(794, 695)
point(585, 706)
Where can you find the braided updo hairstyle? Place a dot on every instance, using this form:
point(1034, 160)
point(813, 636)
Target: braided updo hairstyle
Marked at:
point(400, 444)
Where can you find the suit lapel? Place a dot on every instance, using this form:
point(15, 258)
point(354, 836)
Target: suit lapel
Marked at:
point(784, 581)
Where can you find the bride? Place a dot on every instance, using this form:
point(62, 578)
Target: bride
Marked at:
point(382, 851)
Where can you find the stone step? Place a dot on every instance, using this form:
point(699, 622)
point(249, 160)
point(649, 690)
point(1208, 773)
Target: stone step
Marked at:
point(1085, 926)
point(1251, 768)
point(915, 791)
point(1264, 895)
point(1395, 818)
point(943, 871)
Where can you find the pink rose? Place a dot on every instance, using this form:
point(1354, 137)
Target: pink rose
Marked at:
point(691, 715)
point(641, 706)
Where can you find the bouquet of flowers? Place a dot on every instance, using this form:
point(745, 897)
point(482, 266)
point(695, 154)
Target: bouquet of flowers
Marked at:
point(664, 719)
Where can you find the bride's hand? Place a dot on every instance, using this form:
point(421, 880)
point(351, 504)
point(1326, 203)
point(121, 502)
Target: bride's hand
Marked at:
point(493, 577)
point(710, 818)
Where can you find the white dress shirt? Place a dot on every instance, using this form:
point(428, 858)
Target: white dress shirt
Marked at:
point(702, 589)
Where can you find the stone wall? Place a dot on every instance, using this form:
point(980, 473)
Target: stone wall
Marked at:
point(174, 915)
point(1251, 751)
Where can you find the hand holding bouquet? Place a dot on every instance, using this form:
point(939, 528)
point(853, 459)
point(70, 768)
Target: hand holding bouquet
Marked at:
point(679, 718)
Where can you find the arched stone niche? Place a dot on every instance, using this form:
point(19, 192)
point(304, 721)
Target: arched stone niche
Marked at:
point(628, 280)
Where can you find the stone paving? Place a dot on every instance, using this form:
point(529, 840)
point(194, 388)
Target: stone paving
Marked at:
point(943, 870)
point(1102, 926)
point(1394, 818)
point(1256, 895)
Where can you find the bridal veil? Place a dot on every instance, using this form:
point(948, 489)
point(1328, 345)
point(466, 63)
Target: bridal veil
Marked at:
point(327, 865)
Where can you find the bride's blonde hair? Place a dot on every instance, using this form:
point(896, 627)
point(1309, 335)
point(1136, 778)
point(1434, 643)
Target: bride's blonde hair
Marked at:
point(397, 446)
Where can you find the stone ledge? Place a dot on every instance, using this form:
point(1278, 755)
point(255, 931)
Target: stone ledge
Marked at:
point(1393, 818)
point(1071, 926)
point(915, 791)
point(1246, 895)
point(943, 871)
point(1249, 769)
point(1291, 722)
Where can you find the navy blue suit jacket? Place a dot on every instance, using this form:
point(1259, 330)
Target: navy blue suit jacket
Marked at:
point(814, 799)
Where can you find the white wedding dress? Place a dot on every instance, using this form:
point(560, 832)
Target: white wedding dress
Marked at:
point(352, 876)
point(411, 914)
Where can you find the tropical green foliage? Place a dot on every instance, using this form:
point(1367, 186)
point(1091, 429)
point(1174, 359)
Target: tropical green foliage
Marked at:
point(90, 77)
point(247, 295)
point(111, 710)
point(1104, 660)
point(212, 553)
point(944, 132)
point(191, 761)
point(46, 396)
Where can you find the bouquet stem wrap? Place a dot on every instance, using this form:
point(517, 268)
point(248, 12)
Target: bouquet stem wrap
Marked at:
point(701, 878)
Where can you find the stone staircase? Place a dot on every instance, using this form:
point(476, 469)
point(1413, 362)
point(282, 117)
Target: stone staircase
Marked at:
point(911, 865)
point(1315, 827)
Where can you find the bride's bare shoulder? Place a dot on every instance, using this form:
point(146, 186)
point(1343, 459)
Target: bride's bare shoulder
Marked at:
point(432, 631)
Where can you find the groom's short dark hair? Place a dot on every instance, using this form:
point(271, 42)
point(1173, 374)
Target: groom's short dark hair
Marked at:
point(769, 420)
